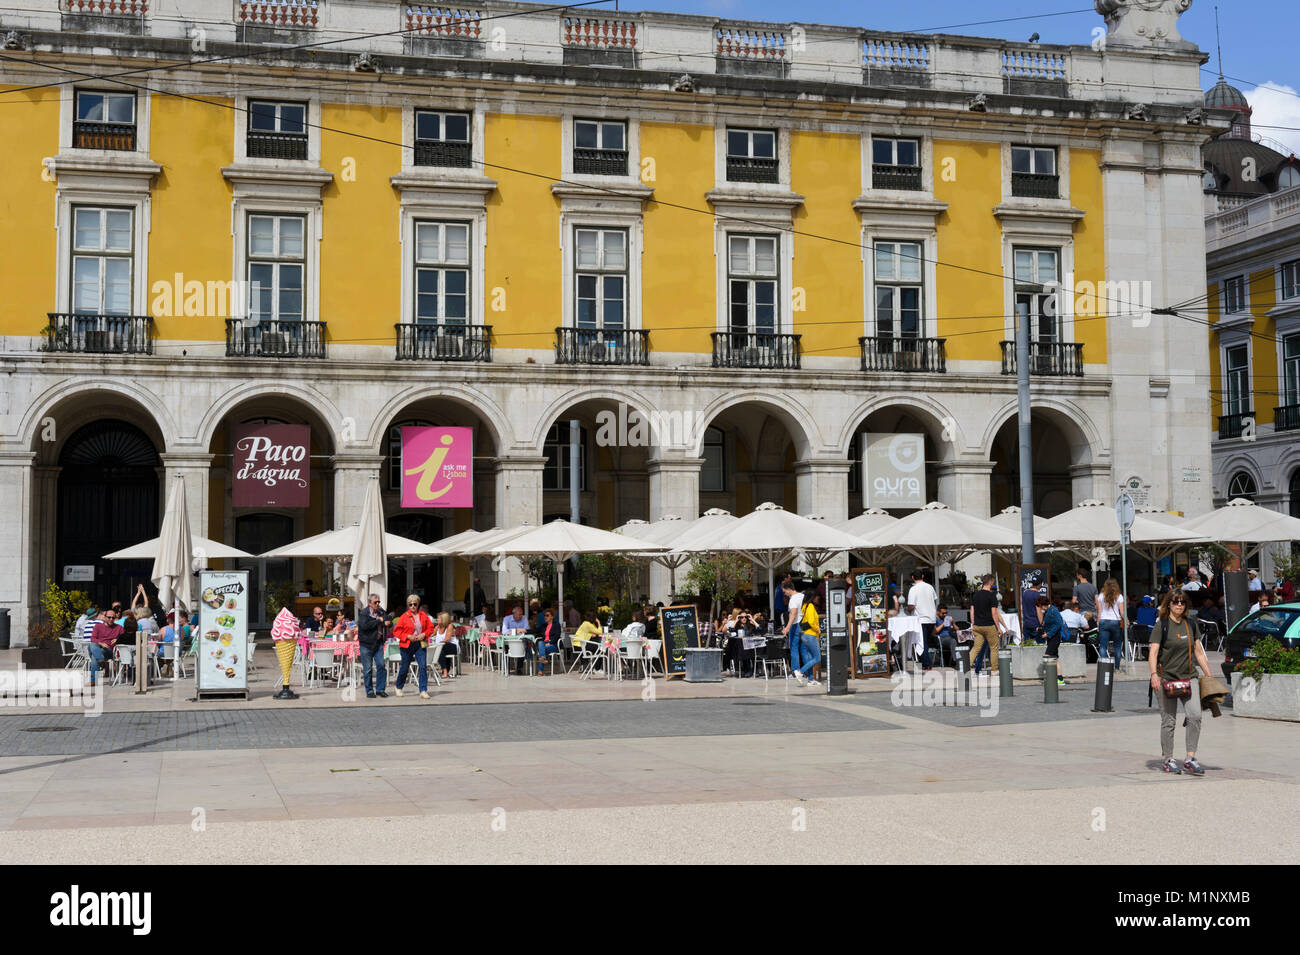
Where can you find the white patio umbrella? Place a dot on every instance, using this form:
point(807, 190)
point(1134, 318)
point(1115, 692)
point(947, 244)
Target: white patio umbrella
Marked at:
point(698, 534)
point(1009, 518)
point(771, 536)
point(869, 522)
point(173, 574)
point(666, 531)
point(559, 540)
point(1092, 524)
point(368, 568)
point(1247, 524)
point(936, 534)
point(204, 550)
point(342, 544)
point(452, 544)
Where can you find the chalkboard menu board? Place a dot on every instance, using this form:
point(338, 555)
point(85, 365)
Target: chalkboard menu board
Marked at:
point(869, 635)
point(680, 627)
point(1034, 577)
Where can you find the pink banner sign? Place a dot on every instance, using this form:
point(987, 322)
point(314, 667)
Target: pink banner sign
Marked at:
point(437, 467)
point(271, 465)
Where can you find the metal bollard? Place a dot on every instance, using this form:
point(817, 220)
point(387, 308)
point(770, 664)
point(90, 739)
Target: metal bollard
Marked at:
point(1105, 686)
point(1006, 684)
point(963, 670)
point(1051, 693)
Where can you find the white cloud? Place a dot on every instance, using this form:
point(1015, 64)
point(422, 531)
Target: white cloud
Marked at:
point(1272, 105)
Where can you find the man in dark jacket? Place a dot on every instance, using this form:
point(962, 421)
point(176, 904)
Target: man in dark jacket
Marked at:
point(372, 631)
point(476, 602)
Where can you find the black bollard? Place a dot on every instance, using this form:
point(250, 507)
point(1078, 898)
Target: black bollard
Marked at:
point(1006, 683)
point(1105, 686)
point(1051, 692)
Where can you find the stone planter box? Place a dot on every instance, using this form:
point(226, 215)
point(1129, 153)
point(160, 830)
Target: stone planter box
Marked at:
point(1275, 697)
point(1027, 662)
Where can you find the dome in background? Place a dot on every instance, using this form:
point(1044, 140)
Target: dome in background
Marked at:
point(1223, 96)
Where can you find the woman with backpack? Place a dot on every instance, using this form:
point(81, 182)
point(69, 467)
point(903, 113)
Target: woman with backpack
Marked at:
point(1175, 650)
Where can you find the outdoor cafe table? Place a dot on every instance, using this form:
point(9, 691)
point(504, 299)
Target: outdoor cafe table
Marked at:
point(907, 631)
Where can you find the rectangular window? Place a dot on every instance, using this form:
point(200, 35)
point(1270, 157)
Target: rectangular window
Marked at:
point(895, 163)
point(1037, 281)
point(751, 156)
point(1291, 279)
point(1234, 294)
point(104, 120)
point(752, 277)
point(102, 260)
point(442, 273)
point(555, 473)
point(600, 278)
point(898, 289)
point(442, 139)
point(276, 268)
point(1291, 370)
point(1236, 380)
point(277, 130)
point(599, 147)
point(1033, 172)
point(713, 471)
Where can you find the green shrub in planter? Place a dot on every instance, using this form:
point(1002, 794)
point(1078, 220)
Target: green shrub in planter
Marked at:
point(1270, 657)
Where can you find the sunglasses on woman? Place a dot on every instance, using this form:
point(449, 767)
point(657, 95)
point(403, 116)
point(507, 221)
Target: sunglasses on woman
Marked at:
point(413, 605)
point(1179, 601)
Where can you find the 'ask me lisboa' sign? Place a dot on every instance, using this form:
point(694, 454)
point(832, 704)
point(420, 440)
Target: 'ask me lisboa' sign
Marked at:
point(437, 467)
point(271, 465)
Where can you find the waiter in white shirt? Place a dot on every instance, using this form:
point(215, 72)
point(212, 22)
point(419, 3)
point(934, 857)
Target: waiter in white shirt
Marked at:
point(925, 603)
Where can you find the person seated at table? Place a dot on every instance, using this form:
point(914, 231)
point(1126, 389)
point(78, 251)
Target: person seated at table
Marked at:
point(945, 631)
point(636, 629)
point(316, 622)
point(516, 621)
point(1074, 618)
point(742, 626)
point(1210, 613)
point(546, 638)
point(444, 643)
point(103, 638)
point(1146, 614)
point(589, 629)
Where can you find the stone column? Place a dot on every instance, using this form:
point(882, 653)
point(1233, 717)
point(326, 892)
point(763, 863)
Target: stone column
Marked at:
point(967, 486)
point(674, 489)
point(19, 584)
point(193, 467)
point(352, 472)
point(1094, 481)
point(822, 488)
point(518, 500)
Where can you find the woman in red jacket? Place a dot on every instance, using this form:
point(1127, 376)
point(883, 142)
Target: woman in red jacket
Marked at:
point(413, 630)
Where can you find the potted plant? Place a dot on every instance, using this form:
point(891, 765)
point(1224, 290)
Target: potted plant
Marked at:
point(60, 609)
point(1267, 685)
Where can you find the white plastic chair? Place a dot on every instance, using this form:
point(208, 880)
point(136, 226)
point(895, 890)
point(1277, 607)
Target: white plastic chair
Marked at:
point(167, 651)
point(516, 649)
point(653, 656)
point(74, 653)
point(125, 657)
point(249, 652)
point(321, 661)
point(634, 656)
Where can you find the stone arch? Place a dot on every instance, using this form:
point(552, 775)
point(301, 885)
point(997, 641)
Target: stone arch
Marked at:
point(575, 396)
point(1235, 465)
point(319, 412)
point(929, 410)
point(88, 400)
point(479, 403)
point(1083, 435)
point(798, 421)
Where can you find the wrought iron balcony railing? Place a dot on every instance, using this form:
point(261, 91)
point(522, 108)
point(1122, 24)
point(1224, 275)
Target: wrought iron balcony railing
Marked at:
point(755, 350)
point(900, 353)
point(434, 152)
point(271, 338)
point(429, 342)
point(1286, 418)
point(602, 346)
point(1060, 359)
point(1033, 185)
point(885, 176)
point(600, 162)
point(99, 334)
point(264, 145)
point(1233, 425)
point(92, 135)
point(753, 169)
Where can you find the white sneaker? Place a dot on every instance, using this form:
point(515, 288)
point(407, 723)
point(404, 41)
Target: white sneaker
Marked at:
point(800, 678)
point(424, 696)
point(813, 683)
point(399, 694)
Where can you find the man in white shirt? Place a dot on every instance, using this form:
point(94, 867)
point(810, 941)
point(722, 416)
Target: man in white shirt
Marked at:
point(1193, 581)
point(1073, 618)
point(794, 610)
point(1254, 584)
point(925, 602)
point(516, 621)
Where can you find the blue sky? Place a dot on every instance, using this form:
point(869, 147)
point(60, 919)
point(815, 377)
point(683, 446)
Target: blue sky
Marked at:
point(1258, 35)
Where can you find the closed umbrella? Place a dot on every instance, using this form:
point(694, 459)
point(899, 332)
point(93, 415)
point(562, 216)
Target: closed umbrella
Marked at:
point(368, 569)
point(173, 574)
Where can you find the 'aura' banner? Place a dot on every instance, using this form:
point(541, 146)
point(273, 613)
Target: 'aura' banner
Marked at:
point(437, 467)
